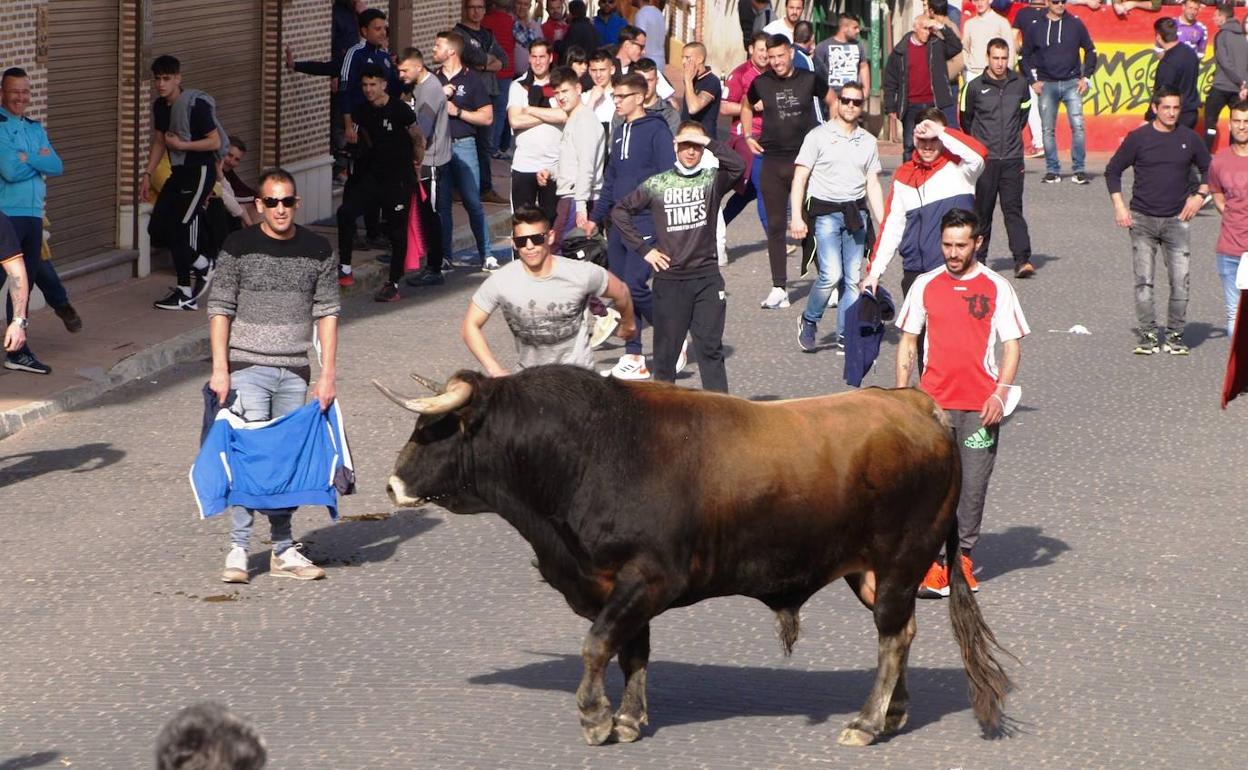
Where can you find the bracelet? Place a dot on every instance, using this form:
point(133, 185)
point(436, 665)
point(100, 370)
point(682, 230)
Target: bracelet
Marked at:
point(999, 401)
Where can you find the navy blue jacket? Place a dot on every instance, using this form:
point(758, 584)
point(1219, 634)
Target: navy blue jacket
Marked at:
point(865, 321)
point(1051, 50)
point(639, 150)
point(1179, 69)
point(362, 54)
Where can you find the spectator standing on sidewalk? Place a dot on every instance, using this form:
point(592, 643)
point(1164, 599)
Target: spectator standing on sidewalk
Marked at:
point(582, 147)
point(843, 57)
point(703, 91)
point(964, 308)
point(369, 52)
point(274, 282)
point(1191, 31)
point(424, 95)
point(598, 97)
point(608, 22)
point(581, 32)
point(1029, 14)
point(184, 123)
point(788, 97)
point(649, 19)
point(632, 49)
point(467, 107)
point(14, 265)
point(483, 55)
point(1050, 60)
point(1228, 181)
point(994, 110)
point(1162, 206)
point(916, 77)
point(639, 149)
point(525, 32)
point(556, 24)
point(1178, 69)
point(502, 24)
point(986, 25)
point(27, 159)
point(538, 126)
point(1230, 69)
point(653, 104)
point(689, 292)
point(835, 182)
point(784, 24)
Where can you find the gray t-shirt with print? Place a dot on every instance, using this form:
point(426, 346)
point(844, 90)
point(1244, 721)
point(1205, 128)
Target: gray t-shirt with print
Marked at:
point(838, 164)
point(546, 315)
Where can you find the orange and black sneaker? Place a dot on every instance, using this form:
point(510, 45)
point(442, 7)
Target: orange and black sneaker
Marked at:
point(935, 583)
point(968, 569)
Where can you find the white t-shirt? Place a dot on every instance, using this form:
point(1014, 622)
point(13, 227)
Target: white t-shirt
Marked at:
point(605, 109)
point(779, 27)
point(650, 20)
point(537, 148)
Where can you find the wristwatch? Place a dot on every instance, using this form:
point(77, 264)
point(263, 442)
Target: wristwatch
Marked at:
point(22, 323)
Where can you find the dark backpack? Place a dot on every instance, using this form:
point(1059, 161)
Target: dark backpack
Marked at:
point(586, 248)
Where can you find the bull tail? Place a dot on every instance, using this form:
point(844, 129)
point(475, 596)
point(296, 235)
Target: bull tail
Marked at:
point(788, 626)
point(979, 647)
point(939, 415)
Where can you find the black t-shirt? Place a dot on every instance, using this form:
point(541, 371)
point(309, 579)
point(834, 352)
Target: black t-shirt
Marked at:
point(202, 123)
point(1028, 16)
point(470, 95)
point(387, 131)
point(788, 109)
point(708, 116)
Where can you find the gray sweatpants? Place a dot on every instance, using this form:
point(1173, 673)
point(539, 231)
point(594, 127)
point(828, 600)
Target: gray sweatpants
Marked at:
point(979, 454)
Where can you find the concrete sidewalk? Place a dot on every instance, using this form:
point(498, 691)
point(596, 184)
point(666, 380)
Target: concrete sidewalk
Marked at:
point(124, 338)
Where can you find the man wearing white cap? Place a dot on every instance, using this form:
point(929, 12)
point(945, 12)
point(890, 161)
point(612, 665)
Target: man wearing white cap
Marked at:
point(688, 291)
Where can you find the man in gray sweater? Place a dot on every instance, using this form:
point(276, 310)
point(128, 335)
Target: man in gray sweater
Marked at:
point(273, 281)
point(1230, 69)
point(582, 148)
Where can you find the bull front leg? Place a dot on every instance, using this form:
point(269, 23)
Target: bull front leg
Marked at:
point(634, 656)
point(626, 612)
point(894, 620)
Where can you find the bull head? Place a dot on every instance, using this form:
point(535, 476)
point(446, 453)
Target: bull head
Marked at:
point(456, 394)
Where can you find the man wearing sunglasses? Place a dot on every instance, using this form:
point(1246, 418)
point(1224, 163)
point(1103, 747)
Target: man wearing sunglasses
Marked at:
point(273, 282)
point(544, 298)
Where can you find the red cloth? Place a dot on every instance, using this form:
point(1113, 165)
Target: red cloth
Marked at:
point(1236, 381)
point(502, 25)
point(415, 237)
point(919, 75)
point(554, 31)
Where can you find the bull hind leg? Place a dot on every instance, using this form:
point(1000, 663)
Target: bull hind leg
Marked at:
point(894, 620)
point(634, 655)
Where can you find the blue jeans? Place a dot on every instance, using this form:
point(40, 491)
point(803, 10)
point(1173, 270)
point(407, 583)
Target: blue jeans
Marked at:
point(39, 272)
point(1066, 92)
point(265, 393)
point(838, 255)
point(739, 200)
point(463, 172)
point(498, 129)
point(1228, 265)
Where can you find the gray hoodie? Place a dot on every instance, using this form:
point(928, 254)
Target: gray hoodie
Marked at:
point(1230, 56)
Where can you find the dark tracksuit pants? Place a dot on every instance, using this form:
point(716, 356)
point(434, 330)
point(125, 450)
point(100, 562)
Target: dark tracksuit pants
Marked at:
point(696, 307)
point(1003, 178)
point(978, 460)
point(392, 196)
point(1214, 103)
point(525, 191)
point(777, 178)
point(39, 272)
point(430, 224)
point(178, 213)
point(629, 267)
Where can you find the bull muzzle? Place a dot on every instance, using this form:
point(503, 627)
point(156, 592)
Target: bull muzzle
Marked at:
point(399, 496)
point(457, 393)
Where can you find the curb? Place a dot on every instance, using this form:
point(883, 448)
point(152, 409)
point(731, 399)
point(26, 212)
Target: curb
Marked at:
point(188, 346)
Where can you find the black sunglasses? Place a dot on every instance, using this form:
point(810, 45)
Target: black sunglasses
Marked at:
point(851, 102)
point(271, 203)
point(536, 239)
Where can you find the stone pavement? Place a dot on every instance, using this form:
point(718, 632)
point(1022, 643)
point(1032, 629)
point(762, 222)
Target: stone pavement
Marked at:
point(1110, 565)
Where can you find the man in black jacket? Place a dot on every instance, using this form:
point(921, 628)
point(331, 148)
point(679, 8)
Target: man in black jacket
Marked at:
point(581, 32)
point(1050, 61)
point(994, 109)
point(1179, 69)
point(929, 47)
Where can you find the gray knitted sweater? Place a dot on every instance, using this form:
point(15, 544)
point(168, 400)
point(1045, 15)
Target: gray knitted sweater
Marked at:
point(274, 290)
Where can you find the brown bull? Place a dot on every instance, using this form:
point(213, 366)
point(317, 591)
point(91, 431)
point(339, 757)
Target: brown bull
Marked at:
point(640, 497)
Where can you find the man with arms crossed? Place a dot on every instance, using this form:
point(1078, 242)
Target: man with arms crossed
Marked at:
point(964, 308)
point(274, 281)
point(841, 162)
point(544, 298)
point(538, 126)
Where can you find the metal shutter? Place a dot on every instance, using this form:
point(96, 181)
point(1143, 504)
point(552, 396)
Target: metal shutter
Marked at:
point(219, 46)
point(82, 123)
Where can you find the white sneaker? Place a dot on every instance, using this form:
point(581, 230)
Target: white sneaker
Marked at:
point(682, 360)
point(490, 264)
point(604, 325)
point(629, 367)
point(778, 298)
point(293, 564)
point(235, 566)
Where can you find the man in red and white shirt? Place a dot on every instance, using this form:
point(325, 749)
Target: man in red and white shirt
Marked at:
point(965, 308)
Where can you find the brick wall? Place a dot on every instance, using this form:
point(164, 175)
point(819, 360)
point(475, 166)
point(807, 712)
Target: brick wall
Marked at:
point(17, 49)
point(304, 118)
point(429, 17)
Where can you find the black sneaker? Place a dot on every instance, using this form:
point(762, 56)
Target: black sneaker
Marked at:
point(1078, 178)
point(69, 317)
point(25, 361)
point(425, 278)
point(1174, 344)
point(201, 279)
point(1147, 344)
point(387, 293)
point(1051, 179)
point(177, 300)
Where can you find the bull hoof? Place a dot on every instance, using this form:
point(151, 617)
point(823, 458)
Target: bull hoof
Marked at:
point(852, 736)
point(627, 728)
point(597, 734)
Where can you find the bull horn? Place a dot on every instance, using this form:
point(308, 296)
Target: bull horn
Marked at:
point(458, 394)
point(433, 385)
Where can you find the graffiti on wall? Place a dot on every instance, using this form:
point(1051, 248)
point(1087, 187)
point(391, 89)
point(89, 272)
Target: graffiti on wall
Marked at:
point(1124, 80)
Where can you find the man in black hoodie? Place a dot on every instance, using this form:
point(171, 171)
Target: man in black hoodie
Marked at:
point(994, 110)
point(1230, 69)
point(1179, 69)
point(1050, 61)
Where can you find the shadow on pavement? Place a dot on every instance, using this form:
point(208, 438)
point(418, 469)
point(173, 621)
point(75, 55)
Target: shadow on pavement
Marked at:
point(689, 693)
point(1197, 333)
point(80, 459)
point(369, 537)
point(30, 760)
point(1016, 548)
